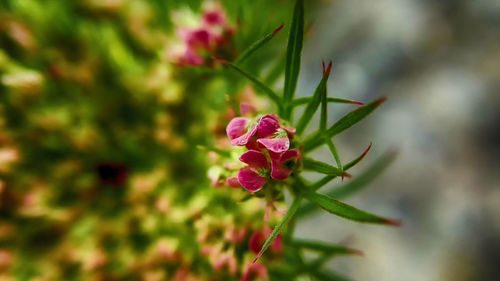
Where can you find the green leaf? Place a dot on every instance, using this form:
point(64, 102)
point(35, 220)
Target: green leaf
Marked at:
point(317, 185)
point(320, 167)
point(324, 103)
point(346, 211)
point(293, 53)
point(335, 154)
point(361, 181)
point(308, 207)
point(306, 100)
point(312, 106)
point(358, 159)
point(326, 248)
point(279, 227)
point(256, 45)
point(270, 93)
point(341, 125)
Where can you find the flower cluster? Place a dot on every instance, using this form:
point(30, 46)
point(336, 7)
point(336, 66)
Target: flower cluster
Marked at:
point(204, 39)
point(269, 155)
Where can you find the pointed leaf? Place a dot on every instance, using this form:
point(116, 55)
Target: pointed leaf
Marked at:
point(325, 247)
point(321, 167)
point(272, 95)
point(256, 45)
point(306, 100)
point(346, 211)
point(358, 159)
point(279, 227)
point(324, 103)
point(308, 207)
point(335, 154)
point(293, 53)
point(312, 106)
point(344, 123)
point(361, 181)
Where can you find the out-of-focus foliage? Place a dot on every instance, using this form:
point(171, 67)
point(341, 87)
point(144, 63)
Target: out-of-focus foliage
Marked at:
point(101, 177)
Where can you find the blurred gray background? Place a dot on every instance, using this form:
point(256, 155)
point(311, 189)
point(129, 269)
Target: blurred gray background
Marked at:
point(438, 62)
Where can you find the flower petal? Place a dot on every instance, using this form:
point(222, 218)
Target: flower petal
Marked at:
point(250, 180)
point(277, 145)
point(290, 130)
point(233, 182)
point(277, 245)
point(247, 109)
point(255, 270)
point(280, 169)
point(237, 130)
point(255, 159)
point(268, 126)
point(256, 241)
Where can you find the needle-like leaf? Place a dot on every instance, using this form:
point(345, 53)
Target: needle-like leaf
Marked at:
point(321, 167)
point(346, 211)
point(293, 54)
point(308, 207)
point(325, 247)
point(271, 94)
point(307, 100)
point(344, 123)
point(283, 222)
point(362, 180)
point(256, 45)
point(314, 102)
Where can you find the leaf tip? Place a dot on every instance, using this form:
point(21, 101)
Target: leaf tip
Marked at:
point(380, 101)
point(392, 222)
point(356, 252)
point(278, 29)
point(357, 103)
point(257, 257)
point(327, 69)
point(366, 151)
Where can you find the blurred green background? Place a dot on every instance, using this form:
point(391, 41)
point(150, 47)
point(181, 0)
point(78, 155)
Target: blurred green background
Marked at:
point(88, 98)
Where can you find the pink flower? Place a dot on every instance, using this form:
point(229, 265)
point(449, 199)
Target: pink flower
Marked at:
point(196, 38)
point(214, 16)
point(271, 135)
point(240, 130)
point(282, 165)
point(233, 182)
point(189, 57)
point(255, 175)
point(256, 269)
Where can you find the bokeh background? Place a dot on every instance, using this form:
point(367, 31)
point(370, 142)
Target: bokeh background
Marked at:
point(437, 62)
point(83, 92)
